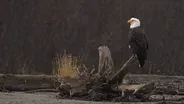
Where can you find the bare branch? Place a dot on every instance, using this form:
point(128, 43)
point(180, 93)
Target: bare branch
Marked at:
point(118, 77)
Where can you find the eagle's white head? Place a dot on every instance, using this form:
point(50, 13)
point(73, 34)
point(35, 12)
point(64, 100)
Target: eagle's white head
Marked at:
point(134, 22)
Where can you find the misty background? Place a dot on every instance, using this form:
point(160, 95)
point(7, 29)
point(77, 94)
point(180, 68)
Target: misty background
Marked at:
point(33, 31)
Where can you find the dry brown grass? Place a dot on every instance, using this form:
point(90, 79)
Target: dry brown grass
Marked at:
point(66, 65)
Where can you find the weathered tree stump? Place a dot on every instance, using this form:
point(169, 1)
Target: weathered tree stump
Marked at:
point(106, 65)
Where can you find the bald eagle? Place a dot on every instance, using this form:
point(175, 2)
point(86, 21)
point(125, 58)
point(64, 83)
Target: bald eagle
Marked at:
point(137, 41)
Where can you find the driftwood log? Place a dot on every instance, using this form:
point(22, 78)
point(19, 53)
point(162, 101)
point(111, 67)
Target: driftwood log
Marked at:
point(144, 78)
point(26, 82)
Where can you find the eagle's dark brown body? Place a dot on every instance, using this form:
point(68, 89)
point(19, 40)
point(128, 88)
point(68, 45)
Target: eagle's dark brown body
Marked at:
point(138, 44)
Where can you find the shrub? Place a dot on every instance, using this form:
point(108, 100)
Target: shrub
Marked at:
point(66, 65)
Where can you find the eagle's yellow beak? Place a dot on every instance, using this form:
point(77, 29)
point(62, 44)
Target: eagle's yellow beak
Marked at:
point(129, 21)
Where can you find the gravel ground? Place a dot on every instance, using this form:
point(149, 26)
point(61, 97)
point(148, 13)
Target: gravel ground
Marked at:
point(43, 98)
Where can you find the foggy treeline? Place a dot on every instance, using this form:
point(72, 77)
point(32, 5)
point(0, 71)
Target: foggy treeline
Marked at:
point(33, 31)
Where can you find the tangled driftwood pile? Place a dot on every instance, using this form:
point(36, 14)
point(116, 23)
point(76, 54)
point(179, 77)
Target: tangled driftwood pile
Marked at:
point(106, 84)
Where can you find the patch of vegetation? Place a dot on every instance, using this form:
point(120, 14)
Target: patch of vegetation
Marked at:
point(66, 65)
